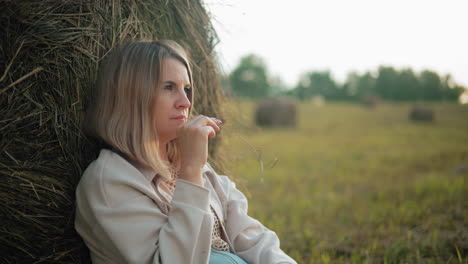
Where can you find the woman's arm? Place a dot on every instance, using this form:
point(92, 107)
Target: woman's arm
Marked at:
point(251, 240)
point(136, 231)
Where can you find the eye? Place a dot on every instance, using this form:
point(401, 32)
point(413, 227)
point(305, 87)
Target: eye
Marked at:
point(188, 89)
point(168, 87)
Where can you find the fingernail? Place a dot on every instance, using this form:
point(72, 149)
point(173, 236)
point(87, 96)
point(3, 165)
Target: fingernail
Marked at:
point(218, 121)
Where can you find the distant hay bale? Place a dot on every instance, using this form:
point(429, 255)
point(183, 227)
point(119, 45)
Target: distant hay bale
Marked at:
point(371, 101)
point(461, 169)
point(421, 113)
point(278, 112)
point(49, 55)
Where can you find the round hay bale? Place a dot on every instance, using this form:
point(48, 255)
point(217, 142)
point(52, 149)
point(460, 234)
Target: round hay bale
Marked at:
point(277, 112)
point(421, 113)
point(49, 55)
point(461, 169)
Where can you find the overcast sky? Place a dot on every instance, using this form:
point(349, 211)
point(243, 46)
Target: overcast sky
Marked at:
point(341, 35)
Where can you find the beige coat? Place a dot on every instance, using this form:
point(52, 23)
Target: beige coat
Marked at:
point(123, 217)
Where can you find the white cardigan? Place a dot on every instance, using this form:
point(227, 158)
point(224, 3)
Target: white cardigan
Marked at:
point(122, 219)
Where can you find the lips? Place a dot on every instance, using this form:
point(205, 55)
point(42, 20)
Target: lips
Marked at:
point(179, 117)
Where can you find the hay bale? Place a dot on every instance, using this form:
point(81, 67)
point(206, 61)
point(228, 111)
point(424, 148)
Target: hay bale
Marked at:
point(461, 169)
point(421, 113)
point(49, 55)
point(277, 112)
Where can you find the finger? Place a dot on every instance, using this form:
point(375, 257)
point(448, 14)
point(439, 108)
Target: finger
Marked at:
point(209, 131)
point(199, 117)
point(207, 121)
point(217, 121)
point(195, 119)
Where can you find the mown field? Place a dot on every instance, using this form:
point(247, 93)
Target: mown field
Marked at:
point(356, 185)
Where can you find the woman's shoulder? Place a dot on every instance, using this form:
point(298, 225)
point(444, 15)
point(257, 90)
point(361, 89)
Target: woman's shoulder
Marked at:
point(217, 179)
point(108, 164)
point(113, 178)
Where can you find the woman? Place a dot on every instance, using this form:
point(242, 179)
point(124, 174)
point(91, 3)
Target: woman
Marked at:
point(151, 196)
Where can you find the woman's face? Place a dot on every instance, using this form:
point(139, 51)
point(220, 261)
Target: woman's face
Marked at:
point(172, 99)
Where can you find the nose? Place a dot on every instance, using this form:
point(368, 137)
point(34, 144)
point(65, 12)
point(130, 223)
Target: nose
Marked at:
point(182, 101)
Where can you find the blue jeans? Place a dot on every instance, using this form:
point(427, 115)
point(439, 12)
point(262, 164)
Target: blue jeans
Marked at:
point(224, 257)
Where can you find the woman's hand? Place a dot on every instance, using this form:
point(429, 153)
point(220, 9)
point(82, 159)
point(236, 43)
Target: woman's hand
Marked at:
point(192, 142)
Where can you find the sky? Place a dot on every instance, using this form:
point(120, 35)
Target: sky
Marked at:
point(294, 37)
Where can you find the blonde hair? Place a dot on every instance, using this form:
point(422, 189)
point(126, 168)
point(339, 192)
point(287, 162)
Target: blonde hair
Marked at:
point(121, 111)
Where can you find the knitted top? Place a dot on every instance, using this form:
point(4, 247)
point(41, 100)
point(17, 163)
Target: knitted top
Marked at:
point(217, 241)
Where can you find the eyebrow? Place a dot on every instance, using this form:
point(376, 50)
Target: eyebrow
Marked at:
point(173, 83)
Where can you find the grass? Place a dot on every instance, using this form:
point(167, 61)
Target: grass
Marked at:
point(356, 185)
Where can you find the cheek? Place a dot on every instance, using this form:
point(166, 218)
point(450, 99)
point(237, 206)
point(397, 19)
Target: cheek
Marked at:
point(163, 102)
point(162, 112)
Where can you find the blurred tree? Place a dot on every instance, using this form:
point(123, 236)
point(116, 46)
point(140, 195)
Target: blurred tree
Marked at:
point(407, 87)
point(358, 86)
point(432, 85)
point(319, 84)
point(277, 86)
point(250, 78)
point(386, 82)
point(451, 90)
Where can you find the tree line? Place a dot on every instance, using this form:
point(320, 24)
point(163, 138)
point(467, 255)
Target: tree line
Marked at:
point(250, 79)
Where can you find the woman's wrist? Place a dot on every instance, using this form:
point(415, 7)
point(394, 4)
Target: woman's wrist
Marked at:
point(192, 174)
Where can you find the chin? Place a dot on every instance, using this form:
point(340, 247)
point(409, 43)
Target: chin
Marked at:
point(167, 136)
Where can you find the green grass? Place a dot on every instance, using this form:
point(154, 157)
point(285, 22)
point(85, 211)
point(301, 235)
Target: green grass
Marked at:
point(356, 185)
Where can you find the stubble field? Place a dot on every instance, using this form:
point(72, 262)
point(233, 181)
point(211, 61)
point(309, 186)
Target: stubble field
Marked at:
point(352, 184)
